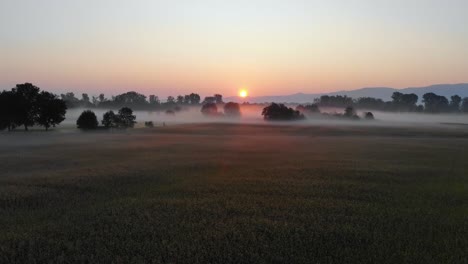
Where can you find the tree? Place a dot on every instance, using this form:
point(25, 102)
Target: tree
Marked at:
point(218, 98)
point(126, 118)
point(51, 110)
point(85, 99)
point(102, 98)
point(27, 104)
point(9, 110)
point(455, 102)
point(180, 99)
point(232, 109)
point(434, 103)
point(280, 112)
point(194, 99)
point(464, 105)
point(349, 112)
point(87, 120)
point(131, 99)
point(209, 109)
point(187, 99)
point(154, 100)
point(404, 102)
point(109, 119)
point(170, 100)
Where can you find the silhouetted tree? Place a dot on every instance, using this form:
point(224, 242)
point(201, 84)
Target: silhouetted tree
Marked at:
point(27, 104)
point(154, 100)
point(87, 120)
point(187, 99)
point(218, 98)
point(404, 102)
point(170, 100)
point(209, 109)
point(85, 100)
point(9, 110)
point(280, 112)
point(126, 118)
point(464, 105)
point(51, 110)
point(109, 119)
point(434, 103)
point(102, 98)
point(180, 99)
point(194, 99)
point(455, 102)
point(131, 99)
point(232, 109)
point(349, 112)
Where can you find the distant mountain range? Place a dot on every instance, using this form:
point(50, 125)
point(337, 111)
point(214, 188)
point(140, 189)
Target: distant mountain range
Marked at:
point(384, 93)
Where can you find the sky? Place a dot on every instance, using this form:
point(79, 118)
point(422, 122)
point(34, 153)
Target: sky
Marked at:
point(269, 47)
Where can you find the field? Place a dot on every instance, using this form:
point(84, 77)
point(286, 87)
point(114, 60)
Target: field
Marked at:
point(227, 193)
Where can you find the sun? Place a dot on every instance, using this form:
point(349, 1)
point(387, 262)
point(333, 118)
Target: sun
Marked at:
point(243, 93)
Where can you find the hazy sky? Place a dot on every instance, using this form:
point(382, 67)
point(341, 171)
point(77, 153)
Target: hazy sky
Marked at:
point(272, 47)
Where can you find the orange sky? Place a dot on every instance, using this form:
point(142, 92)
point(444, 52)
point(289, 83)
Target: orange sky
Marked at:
point(271, 47)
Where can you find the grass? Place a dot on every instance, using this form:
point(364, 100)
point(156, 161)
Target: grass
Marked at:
point(235, 194)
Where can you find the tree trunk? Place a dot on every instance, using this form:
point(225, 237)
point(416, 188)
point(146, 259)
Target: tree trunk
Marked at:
point(25, 128)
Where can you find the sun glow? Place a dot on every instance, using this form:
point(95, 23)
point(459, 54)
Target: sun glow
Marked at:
point(243, 93)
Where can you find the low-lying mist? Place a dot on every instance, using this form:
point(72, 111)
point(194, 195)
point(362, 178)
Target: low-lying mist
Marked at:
point(251, 114)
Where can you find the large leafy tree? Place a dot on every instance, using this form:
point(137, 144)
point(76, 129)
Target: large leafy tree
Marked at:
point(455, 102)
point(27, 104)
point(50, 110)
point(9, 110)
point(435, 103)
point(280, 112)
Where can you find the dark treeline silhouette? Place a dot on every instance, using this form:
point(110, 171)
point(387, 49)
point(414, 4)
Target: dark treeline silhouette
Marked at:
point(134, 100)
point(432, 103)
point(26, 105)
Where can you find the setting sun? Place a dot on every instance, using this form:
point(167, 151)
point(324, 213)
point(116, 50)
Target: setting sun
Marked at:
point(243, 93)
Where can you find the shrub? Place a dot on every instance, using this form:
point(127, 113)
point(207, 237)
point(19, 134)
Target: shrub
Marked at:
point(369, 116)
point(87, 120)
point(149, 124)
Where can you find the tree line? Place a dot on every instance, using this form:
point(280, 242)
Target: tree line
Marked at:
point(431, 103)
point(26, 105)
point(137, 101)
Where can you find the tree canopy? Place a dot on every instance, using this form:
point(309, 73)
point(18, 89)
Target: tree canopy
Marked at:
point(280, 112)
